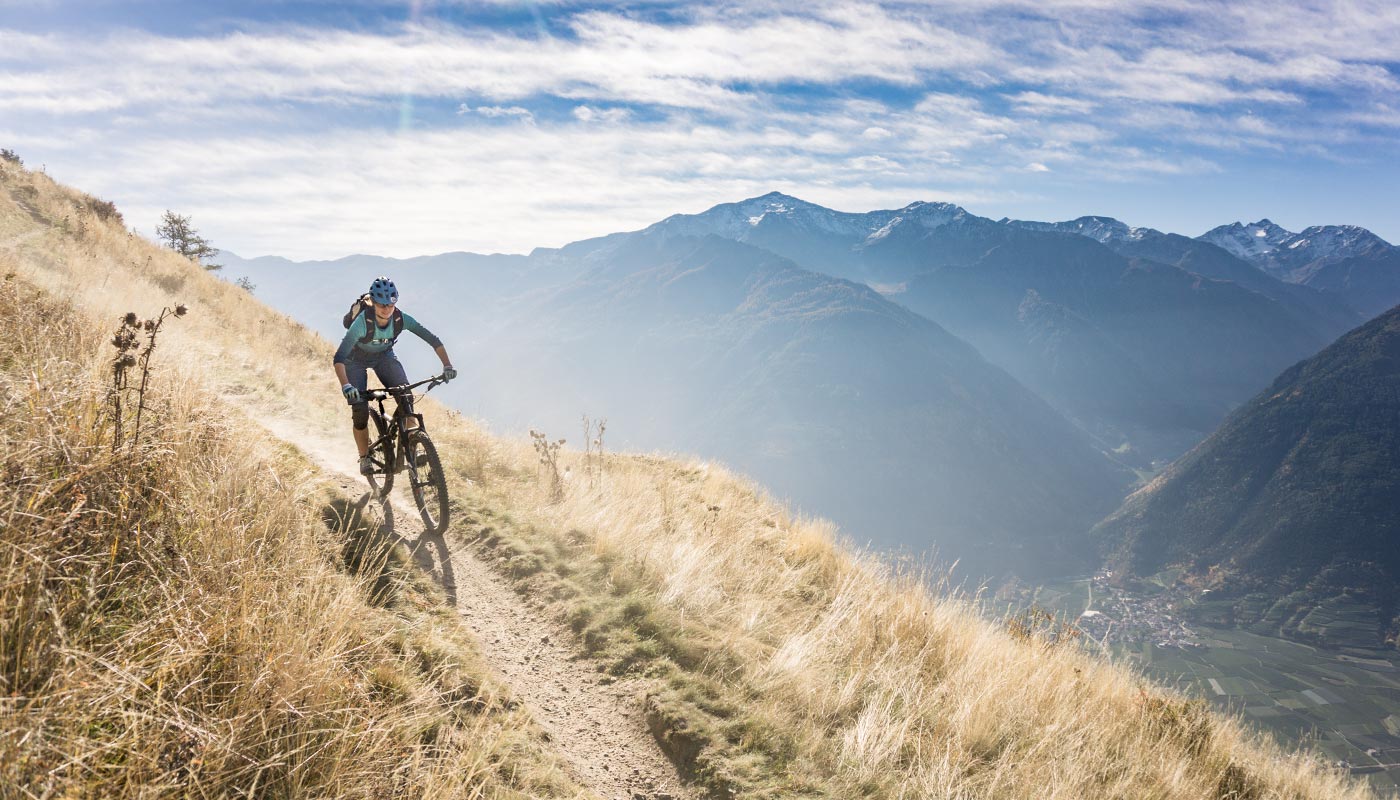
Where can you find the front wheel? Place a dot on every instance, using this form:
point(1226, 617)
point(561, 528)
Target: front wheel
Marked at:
point(381, 454)
point(429, 483)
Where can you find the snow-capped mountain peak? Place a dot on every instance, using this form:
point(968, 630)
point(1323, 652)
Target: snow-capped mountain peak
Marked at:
point(1100, 229)
point(744, 219)
point(1264, 241)
point(1336, 241)
point(924, 214)
point(1249, 242)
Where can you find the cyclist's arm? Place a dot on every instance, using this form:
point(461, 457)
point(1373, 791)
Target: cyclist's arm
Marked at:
point(411, 324)
point(442, 355)
point(352, 335)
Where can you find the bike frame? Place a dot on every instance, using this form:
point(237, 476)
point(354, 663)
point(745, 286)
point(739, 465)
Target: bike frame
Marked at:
point(397, 434)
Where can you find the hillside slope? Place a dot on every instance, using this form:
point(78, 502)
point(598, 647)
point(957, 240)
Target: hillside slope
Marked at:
point(191, 610)
point(774, 661)
point(834, 396)
point(1199, 345)
point(1293, 501)
point(1323, 313)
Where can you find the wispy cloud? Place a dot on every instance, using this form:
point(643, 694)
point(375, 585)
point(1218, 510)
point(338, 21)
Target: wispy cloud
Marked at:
point(601, 119)
point(489, 187)
point(608, 56)
point(496, 112)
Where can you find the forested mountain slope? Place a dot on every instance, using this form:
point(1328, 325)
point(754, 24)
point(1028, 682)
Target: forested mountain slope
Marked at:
point(1294, 500)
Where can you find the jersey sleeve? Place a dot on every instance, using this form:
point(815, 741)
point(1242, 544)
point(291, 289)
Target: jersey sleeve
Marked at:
point(355, 333)
point(411, 324)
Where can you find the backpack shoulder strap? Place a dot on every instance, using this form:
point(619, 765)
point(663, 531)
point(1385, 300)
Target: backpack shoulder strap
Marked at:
point(368, 335)
point(371, 326)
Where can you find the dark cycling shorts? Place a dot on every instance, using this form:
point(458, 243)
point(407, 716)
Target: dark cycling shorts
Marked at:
point(386, 367)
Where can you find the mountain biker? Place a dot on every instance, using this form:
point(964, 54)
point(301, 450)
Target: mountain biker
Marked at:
point(369, 344)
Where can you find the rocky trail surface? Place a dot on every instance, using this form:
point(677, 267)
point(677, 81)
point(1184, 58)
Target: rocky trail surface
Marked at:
point(594, 722)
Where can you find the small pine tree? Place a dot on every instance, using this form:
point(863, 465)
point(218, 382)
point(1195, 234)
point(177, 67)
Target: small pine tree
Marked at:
point(11, 156)
point(176, 232)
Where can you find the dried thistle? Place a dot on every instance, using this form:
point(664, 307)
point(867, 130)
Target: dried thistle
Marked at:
point(126, 341)
point(548, 452)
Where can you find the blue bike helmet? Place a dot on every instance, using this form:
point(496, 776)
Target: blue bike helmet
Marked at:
point(383, 291)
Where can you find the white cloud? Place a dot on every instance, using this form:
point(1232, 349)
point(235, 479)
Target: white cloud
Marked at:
point(1380, 114)
point(875, 164)
point(1036, 166)
point(1044, 104)
point(506, 111)
point(604, 115)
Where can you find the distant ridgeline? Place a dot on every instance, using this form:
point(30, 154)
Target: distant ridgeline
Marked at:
point(1290, 513)
point(1344, 260)
point(928, 378)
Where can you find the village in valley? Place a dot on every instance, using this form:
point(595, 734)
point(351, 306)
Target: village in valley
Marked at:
point(1345, 700)
point(1106, 612)
point(1115, 615)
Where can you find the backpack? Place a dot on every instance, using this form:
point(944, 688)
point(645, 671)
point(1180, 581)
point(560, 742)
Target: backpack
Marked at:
point(363, 305)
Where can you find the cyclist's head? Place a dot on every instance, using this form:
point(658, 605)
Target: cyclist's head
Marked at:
point(383, 291)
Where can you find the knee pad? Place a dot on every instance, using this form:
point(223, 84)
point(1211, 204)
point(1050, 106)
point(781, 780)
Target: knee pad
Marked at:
point(359, 416)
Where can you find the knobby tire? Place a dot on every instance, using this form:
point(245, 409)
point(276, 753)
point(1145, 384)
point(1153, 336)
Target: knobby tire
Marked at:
point(428, 482)
point(382, 455)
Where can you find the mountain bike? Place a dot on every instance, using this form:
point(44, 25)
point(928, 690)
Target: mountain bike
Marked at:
point(400, 446)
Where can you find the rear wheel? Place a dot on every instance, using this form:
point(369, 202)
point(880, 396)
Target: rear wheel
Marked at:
point(381, 454)
point(428, 482)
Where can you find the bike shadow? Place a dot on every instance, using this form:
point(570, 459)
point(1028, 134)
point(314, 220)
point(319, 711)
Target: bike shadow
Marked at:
point(368, 524)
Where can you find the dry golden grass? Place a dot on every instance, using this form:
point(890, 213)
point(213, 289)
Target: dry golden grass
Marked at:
point(174, 621)
point(785, 662)
point(865, 682)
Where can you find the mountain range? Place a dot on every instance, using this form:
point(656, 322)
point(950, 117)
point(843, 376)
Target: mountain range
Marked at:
point(924, 376)
point(1144, 339)
point(1343, 260)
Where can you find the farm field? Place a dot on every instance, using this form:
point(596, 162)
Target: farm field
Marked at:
point(1346, 703)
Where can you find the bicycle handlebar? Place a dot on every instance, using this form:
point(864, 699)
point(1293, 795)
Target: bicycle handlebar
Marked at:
point(391, 391)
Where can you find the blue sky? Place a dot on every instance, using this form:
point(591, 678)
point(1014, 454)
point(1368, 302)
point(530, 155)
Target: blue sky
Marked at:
point(318, 129)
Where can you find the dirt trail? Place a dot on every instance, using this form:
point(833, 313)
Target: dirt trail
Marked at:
point(598, 727)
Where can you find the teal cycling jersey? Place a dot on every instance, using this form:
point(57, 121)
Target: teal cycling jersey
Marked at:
point(381, 341)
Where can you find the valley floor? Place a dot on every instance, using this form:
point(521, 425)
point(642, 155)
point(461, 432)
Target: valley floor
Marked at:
point(1343, 702)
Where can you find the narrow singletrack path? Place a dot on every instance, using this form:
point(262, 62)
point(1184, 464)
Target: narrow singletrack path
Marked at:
point(596, 725)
